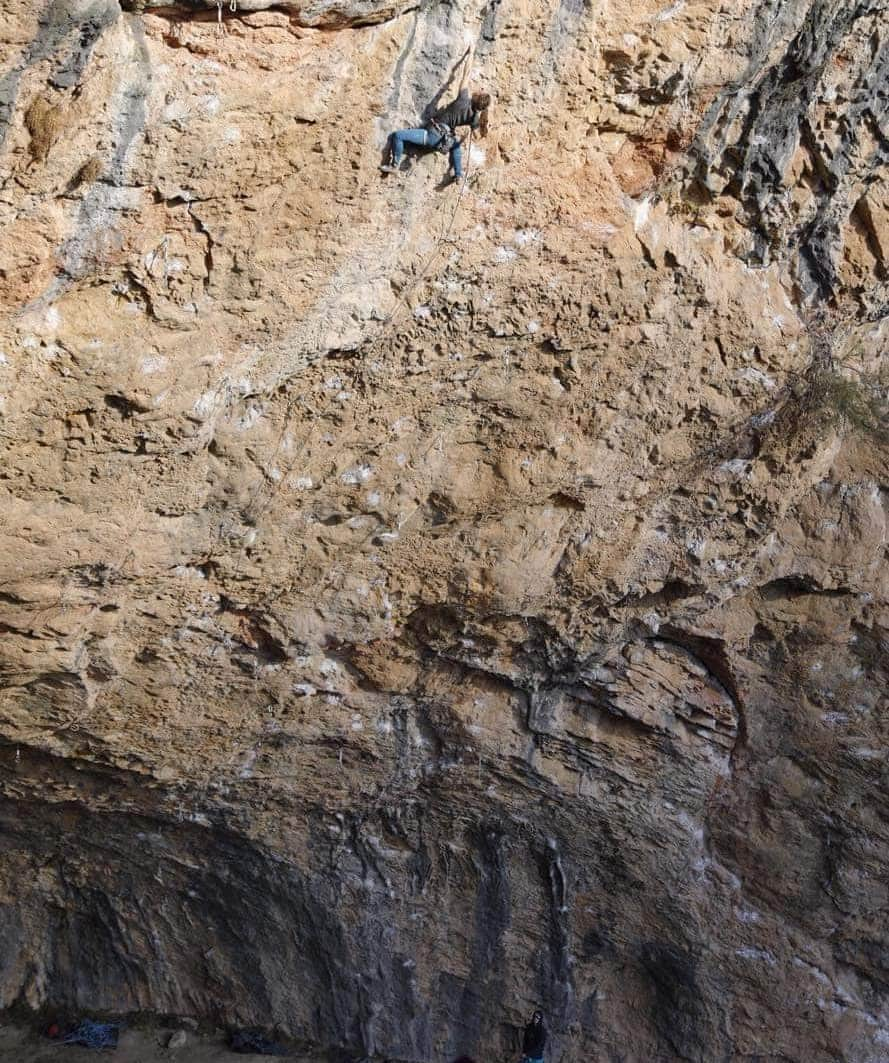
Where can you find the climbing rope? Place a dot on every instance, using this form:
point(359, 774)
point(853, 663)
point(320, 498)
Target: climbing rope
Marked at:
point(265, 492)
point(402, 300)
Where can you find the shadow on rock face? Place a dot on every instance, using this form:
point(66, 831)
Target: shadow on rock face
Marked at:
point(676, 1000)
point(143, 909)
point(316, 13)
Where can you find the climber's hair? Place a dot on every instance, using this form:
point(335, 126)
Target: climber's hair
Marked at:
point(481, 101)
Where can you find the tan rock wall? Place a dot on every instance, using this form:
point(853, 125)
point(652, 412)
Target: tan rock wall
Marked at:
point(422, 603)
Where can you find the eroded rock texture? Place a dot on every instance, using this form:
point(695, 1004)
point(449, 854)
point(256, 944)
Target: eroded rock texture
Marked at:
point(422, 603)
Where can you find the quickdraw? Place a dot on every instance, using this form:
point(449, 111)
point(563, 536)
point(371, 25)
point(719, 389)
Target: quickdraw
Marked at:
point(232, 6)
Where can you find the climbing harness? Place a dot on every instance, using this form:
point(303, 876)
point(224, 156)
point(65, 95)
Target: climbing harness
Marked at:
point(447, 137)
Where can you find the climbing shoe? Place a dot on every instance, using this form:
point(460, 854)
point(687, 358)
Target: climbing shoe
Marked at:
point(387, 167)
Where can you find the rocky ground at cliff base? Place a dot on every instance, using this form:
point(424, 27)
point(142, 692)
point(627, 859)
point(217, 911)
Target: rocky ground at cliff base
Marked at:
point(136, 1046)
point(423, 604)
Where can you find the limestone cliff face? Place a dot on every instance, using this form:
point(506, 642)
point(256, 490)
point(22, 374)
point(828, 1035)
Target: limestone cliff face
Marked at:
point(423, 603)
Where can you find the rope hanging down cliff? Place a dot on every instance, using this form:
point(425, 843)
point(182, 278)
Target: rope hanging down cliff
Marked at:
point(257, 504)
point(439, 132)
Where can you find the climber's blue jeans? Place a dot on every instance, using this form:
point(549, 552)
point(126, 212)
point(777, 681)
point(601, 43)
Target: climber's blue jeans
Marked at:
point(424, 138)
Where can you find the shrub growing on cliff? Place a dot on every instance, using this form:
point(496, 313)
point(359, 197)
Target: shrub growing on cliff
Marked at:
point(44, 122)
point(857, 404)
point(834, 393)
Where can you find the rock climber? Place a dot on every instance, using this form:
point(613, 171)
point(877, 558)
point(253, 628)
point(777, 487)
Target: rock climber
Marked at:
point(534, 1040)
point(439, 130)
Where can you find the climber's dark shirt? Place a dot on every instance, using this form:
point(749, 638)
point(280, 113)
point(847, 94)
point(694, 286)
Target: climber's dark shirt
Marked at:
point(458, 112)
point(534, 1041)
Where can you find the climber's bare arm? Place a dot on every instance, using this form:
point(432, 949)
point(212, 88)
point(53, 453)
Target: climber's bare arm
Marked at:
point(464, 75)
